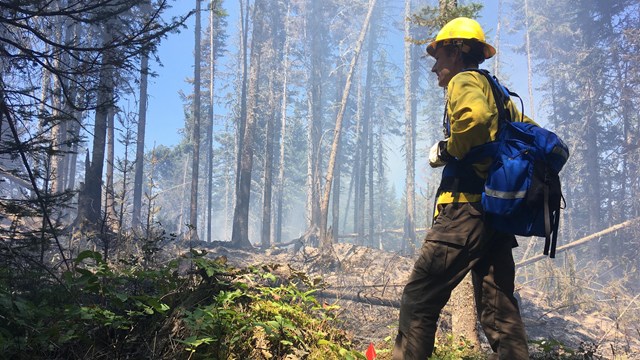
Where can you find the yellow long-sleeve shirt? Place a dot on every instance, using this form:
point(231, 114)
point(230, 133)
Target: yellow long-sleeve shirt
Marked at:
point(473, 118)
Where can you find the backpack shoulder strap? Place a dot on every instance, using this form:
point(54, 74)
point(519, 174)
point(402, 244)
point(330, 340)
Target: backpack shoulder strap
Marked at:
point(501, 95)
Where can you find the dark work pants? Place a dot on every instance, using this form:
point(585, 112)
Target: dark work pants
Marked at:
point(457, 243)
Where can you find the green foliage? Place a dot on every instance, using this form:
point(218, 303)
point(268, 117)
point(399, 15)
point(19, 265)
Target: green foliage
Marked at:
point(191, 307)
point(275, 317)
point(432, 18)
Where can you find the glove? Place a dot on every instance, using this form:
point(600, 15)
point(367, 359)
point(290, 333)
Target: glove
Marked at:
point(438, 155)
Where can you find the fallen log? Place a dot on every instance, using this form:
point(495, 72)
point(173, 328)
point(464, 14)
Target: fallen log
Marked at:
point(581, 241)
point(358, 297)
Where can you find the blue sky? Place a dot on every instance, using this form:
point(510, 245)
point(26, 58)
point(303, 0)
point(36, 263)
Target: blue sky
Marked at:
point(165, 115)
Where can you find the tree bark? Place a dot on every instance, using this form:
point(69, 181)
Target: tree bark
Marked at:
point(57, 130)
point(75, 126)
point(283, 129)
point(463, 312)
point(591, 158)
point(240, 234)
point(317, 32)
point(335, 209)
point(74, 132)
point(354, 179)
point(357, 170)
point(529, 67)
point(109, 191)
point(496, 42)
point(242, 121)
point(209, 141)
point(136, 222)
point(368, 120)
point(276, 60)
point(90, 198)
point(382, 190)
point(326, 242)
point(268, 170)
point(409, 236)
point(195, 138)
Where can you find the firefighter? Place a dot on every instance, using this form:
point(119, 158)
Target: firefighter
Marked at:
point(459, 241)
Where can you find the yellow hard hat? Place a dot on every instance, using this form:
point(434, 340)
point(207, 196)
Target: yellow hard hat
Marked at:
point(461, 28)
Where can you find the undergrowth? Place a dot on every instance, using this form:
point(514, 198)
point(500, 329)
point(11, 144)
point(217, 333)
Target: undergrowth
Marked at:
point(190, 308)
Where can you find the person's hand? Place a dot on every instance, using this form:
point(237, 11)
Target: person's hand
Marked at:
point(435, 154)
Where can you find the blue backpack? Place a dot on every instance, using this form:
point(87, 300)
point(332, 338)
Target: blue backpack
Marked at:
point(522, 193)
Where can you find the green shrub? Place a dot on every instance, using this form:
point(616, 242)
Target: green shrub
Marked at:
point(210, 311)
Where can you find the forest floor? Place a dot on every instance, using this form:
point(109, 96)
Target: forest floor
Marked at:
point(369, 284)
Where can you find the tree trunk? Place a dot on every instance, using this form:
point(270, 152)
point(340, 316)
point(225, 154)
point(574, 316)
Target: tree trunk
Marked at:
point(276, 56)
point(240, 234)
point(75, 126)
point(183, 199)
point(268, 170)
point(409, 236)
point(283, 129)
point(368, 121)
point(382, 208)
point(326, 242)
point(354, 181)
point(529, 68)
point(136, 222)
point(90, 197)
point(109, 191)
point(631, 158)
point(61, 109)
point(496, 42)
point(229, 192)
point(335, 209)
point(371, 186)
point(195, 138)
point(359, 167)
point(212, 62)
point(72, 116)
point(591, 159)
point(463, 312)
point(335, 204)
point(242, 121)
point(122, 196)
point(57, 131)
point(309, 179)
point(42, 165)
point(317, 31)
point(73, 157)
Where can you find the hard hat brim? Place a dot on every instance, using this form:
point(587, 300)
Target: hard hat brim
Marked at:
point(488, 50)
